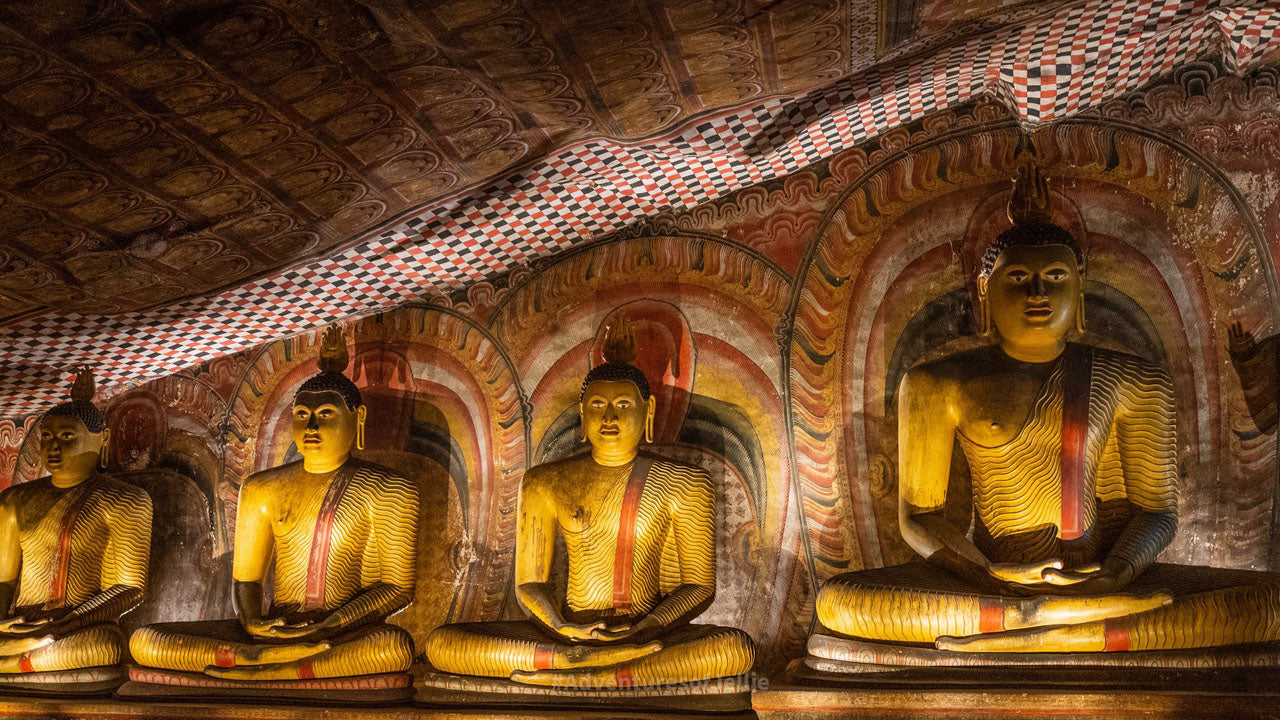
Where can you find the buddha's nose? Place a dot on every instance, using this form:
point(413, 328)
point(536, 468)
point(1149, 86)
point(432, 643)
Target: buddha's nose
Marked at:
point(1037, 285)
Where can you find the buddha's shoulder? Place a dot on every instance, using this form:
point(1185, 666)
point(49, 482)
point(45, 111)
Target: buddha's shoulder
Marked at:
point(376, 475)
point(264, 479)
point(953, 368)
point(1127, 373)
point(676, 468)
point(119, 490)
point(17, 494)
point(546, 473)
point(1107, 358)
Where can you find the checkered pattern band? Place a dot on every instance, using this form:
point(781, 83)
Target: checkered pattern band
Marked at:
point(1073, 57)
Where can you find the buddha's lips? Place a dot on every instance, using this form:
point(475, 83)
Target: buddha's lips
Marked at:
point(1038, 311)
point(609, 431)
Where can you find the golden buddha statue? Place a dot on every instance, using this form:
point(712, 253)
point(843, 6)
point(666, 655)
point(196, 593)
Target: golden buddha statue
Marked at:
point(74, 548)
point(337, 534)
point(639, 534)
point(1072, 452)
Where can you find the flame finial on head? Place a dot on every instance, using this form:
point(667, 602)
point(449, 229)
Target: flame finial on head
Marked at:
point(83, 389)
point(619, 340)
point(1030, 203)
point(333, 351)
point(619, 351)
point(80, 405)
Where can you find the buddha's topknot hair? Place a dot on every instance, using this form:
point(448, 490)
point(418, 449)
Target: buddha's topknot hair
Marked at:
point(332, 361)
point(1030, 213)
point(81, 405)
point(619, 351)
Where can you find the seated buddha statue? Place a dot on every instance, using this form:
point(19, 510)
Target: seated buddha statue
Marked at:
point(74, 549)
point(639, 534)
point(1072, 452)
point(335, 534)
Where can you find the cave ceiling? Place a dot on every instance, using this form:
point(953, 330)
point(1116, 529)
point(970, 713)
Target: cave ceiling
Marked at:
point(181, 180)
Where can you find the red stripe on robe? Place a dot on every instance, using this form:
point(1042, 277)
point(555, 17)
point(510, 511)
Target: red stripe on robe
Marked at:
point(990, 615)
point(625, 548)
point(1116, 635)
point(1075, 432)
point(62, 563)
point(318, 565)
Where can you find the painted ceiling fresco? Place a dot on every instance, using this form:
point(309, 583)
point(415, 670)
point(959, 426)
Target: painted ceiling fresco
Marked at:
point(181, 181)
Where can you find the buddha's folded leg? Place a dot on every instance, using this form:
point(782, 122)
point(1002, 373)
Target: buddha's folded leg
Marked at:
point(498, 649)
point(1210, 608)
point(94, 646)
point(369, 650)
point(919, 602)
point(193, 646)
point(690, 654)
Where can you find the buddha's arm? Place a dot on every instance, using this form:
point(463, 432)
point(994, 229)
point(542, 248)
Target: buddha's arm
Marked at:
point(692, 509)
point(10, 559)
point(250, 558)
point(535, 544)
point(125, 559)
point(926, 433)
point(1148, 439)
point(394, 519)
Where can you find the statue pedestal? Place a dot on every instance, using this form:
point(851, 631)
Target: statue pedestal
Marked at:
point(88, 682)
point(985, 692)
point(844, 656)
point(151, 684)
point(443, 691)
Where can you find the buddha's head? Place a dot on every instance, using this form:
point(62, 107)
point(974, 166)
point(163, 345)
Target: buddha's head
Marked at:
point(1031, 282)
point(615, 405)
point(328, 414)
point(74, 435)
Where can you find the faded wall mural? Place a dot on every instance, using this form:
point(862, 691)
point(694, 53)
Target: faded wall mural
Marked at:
point(774, 326)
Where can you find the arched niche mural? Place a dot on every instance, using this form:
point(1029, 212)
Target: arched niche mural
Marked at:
point(445, 409)
point(1173, 257)
point(705, 312)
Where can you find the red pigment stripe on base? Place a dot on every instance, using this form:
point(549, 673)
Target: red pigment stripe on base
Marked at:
point(625, 547)
point(224, 656)
point(1075, 431)
point(1116, 632)
point(24, 663)
point(306, 672)
point(624, 678)
point(990, 615)
point(541, 657)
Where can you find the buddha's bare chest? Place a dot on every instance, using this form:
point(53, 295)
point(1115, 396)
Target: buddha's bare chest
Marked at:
point(993, 409)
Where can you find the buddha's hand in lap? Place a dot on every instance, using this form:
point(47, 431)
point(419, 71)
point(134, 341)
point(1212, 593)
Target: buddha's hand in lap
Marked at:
point(302, 630)
point(578, 632)
point(1025, 574)
point(1096, 579)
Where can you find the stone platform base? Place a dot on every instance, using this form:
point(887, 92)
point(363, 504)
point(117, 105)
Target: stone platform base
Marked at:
point(442, 690)
point(150, 684)
point(986, 693)
point(846, 655)
point(88, 682)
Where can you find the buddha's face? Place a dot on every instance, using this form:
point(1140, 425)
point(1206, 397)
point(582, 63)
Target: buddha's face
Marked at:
point(68, 448)
point(324, 428)
point(613, 414)
point(1033, 292)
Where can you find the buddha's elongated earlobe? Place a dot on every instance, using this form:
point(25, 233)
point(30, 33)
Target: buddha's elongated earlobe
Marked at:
point(104, 454)
point(361, 414)
point(582, 425)
point(1080, 310)
point(984, 309)
point(648, 421)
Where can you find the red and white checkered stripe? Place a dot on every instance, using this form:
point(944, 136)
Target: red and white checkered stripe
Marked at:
point(1077, 57)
